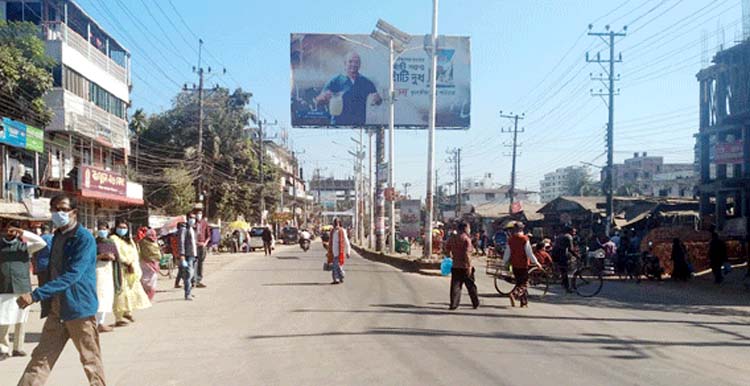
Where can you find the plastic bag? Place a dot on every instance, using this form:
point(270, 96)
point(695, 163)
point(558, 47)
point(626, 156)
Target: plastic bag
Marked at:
point(446, 266)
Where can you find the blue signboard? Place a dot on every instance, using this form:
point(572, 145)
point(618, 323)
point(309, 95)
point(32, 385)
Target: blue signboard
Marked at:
point(13, 133)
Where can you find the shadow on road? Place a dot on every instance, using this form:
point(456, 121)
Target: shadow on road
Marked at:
point(294, 284)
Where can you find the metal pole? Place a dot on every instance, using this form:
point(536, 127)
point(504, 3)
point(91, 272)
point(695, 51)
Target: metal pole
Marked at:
point(199, 191)
point(360, 198)
point(379, 191)
point(391, 150)
point(262, 171)
point(431, 134)
point(370, 195)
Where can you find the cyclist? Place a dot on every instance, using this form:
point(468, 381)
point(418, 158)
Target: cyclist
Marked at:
point(520, 256)
point(561, 251)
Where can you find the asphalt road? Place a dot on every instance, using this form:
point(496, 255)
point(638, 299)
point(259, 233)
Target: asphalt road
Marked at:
point(278, 321)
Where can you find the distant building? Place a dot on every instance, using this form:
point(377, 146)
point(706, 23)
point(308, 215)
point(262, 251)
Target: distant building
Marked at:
point(650, 176)
point(291, 185)
point(556, 184)
point(335, 197)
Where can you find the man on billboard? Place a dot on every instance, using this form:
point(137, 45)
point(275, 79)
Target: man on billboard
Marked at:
point(347, 94)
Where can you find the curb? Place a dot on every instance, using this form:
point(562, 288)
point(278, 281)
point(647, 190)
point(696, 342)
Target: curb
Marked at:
point(406, 265)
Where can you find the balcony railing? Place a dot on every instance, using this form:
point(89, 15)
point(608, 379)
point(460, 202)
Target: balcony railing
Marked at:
point(18, 191)
point(86, 118)
point(59, 31)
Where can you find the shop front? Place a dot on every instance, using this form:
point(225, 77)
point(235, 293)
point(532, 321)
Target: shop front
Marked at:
point(104, 195)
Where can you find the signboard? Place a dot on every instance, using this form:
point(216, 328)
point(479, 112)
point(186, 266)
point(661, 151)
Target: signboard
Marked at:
point(342, 81)
point(328, 199)
point(102, 181)
point(18, 134)
point(411, 218)
point(727, 153)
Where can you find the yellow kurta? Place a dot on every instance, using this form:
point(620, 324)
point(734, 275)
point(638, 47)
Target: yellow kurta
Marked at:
point(131, 296)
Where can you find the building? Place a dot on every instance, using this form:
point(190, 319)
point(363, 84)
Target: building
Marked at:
point(724, 141)
point(294, 201)
point(334, 197)
point(86, 145)
point(651, 176)
point(556, 184)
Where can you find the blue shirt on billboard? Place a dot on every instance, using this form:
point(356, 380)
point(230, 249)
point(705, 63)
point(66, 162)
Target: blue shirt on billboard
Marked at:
point(354, 98)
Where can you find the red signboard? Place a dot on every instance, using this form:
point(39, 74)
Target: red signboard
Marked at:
point(728, 152)
point(102, 181)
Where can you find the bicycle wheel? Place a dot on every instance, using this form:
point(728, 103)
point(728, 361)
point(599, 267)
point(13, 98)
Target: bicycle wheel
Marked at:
point(587, 282)
point(504, 282)
point(539, 280)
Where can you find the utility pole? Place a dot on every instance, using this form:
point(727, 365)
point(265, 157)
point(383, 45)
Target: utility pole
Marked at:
point(515, 131)
point(370, 193)
point(609, 38)
point(261, 140)
point(199, 189)
point(455, 158)
point(379, 190)
point(431, 132)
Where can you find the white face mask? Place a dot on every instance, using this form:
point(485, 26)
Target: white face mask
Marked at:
point(199, 216)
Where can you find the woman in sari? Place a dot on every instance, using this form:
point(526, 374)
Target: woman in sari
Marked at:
point(150, 256)
point(131, 296)
point(107, 275)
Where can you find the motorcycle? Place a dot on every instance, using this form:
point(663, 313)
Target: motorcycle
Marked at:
point(304, 244)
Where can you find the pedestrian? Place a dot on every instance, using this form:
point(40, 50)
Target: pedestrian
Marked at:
point(40, 262)
point(340, 249)
point(187, 250)
point(68, 299)
point(561, 252)
point(150, 254)
point(203, 237)
point(267, 238)
point(541, 251)
point(131, 297)
point(16, 248)
point(717, 255)
point(108, 276)
point(462, 273)
point(520, 256)
point(680, 268)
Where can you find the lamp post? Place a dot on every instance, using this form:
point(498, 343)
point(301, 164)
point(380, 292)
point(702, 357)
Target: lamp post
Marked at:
point(396, 40)
point(431, 133)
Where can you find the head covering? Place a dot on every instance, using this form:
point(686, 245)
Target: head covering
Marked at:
point(141, 234)
point(151, 235)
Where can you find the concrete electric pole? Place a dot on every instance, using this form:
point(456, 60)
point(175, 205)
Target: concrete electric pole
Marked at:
point(514, 154)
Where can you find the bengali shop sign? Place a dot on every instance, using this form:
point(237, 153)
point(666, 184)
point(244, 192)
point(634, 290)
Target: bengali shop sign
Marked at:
point(102, 181)
point(411, 211)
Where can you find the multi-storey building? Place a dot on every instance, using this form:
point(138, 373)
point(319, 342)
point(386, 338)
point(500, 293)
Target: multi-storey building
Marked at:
point(555, 184)
point(87, 142)
point(651, 176)
point(292, 193)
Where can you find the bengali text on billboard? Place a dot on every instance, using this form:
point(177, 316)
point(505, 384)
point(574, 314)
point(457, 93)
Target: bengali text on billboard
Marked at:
point(342, 81)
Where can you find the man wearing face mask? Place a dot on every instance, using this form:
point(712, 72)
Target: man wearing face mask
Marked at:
point(68, 299)
point(203, 237)
point(187, 250)
point(15, 257)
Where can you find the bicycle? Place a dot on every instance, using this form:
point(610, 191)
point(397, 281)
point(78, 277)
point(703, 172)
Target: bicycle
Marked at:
point(505, 281)
point(166, 265)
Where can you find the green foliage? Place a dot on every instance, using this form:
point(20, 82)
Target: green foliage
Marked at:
point(579, 183)
point(24, 73)
point(176, 191)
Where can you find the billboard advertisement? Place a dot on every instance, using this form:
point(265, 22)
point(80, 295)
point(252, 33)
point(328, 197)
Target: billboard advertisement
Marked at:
point(342, 81)
point(411, 218)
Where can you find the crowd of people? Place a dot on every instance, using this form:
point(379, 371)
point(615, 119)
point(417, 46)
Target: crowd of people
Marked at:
point(82, 277)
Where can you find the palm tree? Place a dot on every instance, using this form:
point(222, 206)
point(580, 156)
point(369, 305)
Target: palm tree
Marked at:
point(138, 124)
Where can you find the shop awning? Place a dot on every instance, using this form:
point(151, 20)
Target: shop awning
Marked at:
point(86, 193)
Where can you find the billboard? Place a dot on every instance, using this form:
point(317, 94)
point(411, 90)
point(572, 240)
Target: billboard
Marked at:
point(411, 224)
point(342, 81)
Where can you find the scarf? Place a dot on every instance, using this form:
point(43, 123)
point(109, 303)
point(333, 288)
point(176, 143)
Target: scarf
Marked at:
point(342, 246)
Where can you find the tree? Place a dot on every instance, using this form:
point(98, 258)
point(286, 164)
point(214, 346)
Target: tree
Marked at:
point(25, 73)
point(578, 182)
point(138, 124)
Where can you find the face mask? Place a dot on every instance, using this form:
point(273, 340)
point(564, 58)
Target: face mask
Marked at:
point(199, 216)
point(191, 221)
point(103, 233)
point(121, 232)
point(60, 219)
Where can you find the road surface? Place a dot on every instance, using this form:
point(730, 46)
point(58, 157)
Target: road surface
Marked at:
point(277, 321)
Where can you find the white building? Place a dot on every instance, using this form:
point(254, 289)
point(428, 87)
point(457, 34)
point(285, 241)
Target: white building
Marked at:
point(555, 184)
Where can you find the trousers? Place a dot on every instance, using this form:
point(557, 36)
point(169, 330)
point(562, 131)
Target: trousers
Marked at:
point(459, 278)
point(55, 335)
point(19, 337)
point(199, 264)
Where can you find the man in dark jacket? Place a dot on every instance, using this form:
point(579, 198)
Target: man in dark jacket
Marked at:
point(267, 237)
point(203, 238)
point(16, 249)
point(187, 250)
point(68, 299)
point(717, 255)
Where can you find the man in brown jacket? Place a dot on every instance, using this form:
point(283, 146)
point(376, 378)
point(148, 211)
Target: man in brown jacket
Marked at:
point(459, 246)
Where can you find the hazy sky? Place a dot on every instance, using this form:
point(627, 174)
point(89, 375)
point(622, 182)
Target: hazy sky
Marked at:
point(527, 56)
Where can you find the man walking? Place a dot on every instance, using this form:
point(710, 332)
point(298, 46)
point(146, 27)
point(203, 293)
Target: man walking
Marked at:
point(340, 249)
point(717, 255)
point(15, 258)
point(560, 252)
point(459, 247)
point(267, 237)
point(68, 299)
point(187, 250)
point(203, 237)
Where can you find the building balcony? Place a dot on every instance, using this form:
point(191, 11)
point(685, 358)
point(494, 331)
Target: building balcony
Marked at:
point(75, 114)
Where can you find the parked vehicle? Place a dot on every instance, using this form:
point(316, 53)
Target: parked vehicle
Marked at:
point(256, 239)
point(289, 235)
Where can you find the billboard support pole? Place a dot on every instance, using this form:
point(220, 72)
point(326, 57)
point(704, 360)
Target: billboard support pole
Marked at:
point(379, 191)
point(370, 194)
point(391, 150)
point(431, 135)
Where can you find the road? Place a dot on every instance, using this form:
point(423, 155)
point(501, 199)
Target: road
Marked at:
point(277, 321)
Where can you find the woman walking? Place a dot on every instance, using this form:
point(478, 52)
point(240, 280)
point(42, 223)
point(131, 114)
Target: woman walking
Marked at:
point(131, 297)
point(107, 275)
point(339, 249)
point(150, 256)
point(520, 256)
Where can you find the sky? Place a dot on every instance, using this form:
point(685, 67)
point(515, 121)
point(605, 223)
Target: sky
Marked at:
point(527, 57)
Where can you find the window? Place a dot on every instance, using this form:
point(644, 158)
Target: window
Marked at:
point(14, 11)
point(57, 76)
point(75, 83)
point(489, 196)
point(32, 12)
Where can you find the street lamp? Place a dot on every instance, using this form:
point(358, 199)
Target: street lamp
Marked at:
point(396, 41)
